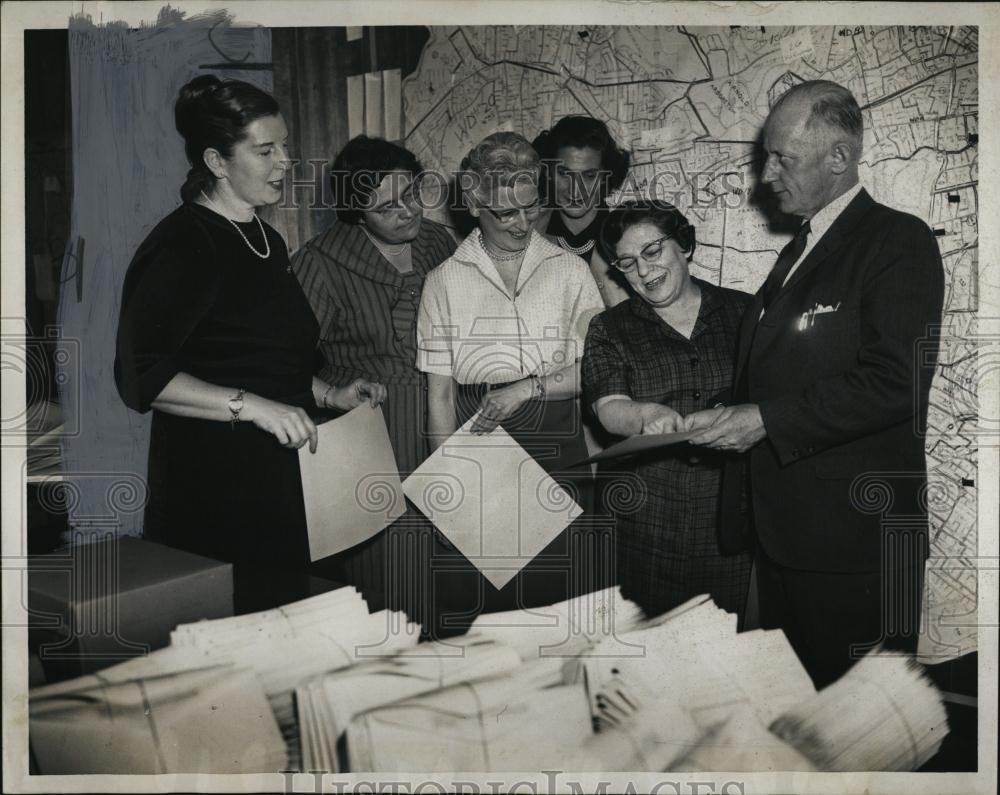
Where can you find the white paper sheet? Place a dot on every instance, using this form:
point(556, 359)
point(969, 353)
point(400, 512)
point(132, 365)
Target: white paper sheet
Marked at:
point(492, 500)
point(350, 484)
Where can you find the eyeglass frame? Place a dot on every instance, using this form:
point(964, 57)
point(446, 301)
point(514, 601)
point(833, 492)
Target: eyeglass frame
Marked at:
point(615, 263)
point(531, 211)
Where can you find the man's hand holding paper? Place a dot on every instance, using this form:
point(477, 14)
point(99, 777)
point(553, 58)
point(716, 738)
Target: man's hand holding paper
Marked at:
point(733, 428)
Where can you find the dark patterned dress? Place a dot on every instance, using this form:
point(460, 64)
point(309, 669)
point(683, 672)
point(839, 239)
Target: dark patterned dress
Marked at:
point(367, 313)
point(667, 501)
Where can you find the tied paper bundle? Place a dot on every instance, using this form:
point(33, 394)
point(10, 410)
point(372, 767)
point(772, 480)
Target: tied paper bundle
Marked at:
point(214, 720)
point(527, 720)
point(566, 628)
point(329, 703)
point(707, 669)
point(649, 739)
point(883, 714)
point(291, 644)
point(740, 742)
point(282, 648)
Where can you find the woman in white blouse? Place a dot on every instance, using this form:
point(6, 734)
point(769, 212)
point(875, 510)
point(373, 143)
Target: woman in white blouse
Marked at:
point(500, 333)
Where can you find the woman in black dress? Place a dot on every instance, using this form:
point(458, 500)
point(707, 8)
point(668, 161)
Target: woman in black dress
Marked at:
point(584, 165)
point(666, 352)
point(217, 338)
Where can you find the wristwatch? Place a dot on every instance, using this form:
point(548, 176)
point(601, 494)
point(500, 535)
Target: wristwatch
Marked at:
point(235, 407)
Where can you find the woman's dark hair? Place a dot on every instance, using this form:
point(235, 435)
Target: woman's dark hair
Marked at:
point(214, 114)
point(665, 217)
point(359, 169)
point(582, 132)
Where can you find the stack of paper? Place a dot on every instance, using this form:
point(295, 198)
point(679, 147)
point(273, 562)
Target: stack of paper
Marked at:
point(513, 722)
point(651, 739)
point(694, 656)
point(328, 704)
point(214, 720)
point(741, 742)
point(883, 714)
point(279, 649)
point(288, 645)
point(565, 629)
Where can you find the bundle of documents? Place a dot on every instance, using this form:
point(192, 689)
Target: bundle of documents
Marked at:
point(209, 720)
point(566, 628)
point(274, 651)
point(740, 742)
point(328, 704)
point(289, 645)
point(883, 714)
point(650, 739)
point(694, 656)
point(526, 720)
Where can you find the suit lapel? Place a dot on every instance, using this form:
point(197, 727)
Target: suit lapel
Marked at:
point(831, 242)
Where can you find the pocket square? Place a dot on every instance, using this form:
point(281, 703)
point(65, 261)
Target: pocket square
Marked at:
point(808, 318)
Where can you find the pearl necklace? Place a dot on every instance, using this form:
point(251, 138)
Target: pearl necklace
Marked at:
point(564, 244)
point(501, 257)
point(387, 250)
point(267, 244)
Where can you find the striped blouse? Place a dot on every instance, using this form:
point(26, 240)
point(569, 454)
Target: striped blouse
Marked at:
point(366, 308)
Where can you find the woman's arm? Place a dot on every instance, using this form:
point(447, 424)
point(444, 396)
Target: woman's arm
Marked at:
point(187, 396)
point(441, 419)
point(498, 405)
point(612, 292)
point(345, 398)
point(623, 416)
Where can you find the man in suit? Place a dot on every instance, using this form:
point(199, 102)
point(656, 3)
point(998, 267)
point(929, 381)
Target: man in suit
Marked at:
point(833, 373)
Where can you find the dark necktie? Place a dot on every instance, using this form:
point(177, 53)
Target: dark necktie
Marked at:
point(772, 286)
point(788, 257)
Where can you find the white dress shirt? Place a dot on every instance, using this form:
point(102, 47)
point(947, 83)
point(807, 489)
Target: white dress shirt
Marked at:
point(821, 222)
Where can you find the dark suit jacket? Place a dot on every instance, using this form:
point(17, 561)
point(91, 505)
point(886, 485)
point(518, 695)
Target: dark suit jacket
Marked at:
point(843, 394)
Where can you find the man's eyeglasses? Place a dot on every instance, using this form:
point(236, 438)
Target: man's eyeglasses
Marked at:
point(649, 253)
point(505, 217)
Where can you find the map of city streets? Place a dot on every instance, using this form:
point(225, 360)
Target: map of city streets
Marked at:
point(689, 103)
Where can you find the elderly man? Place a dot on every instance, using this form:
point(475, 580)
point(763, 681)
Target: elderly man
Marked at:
point(830, 397)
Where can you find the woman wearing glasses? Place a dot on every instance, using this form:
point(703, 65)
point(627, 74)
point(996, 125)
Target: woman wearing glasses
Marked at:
point(664, 353)
point(500, 332)
point(363, 277)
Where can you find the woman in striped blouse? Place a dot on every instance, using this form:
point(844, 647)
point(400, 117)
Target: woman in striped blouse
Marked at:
point(363, 277)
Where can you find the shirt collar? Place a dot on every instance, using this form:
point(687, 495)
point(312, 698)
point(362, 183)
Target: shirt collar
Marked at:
point(823, 220)
point(470, 252)
point(349, 247)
